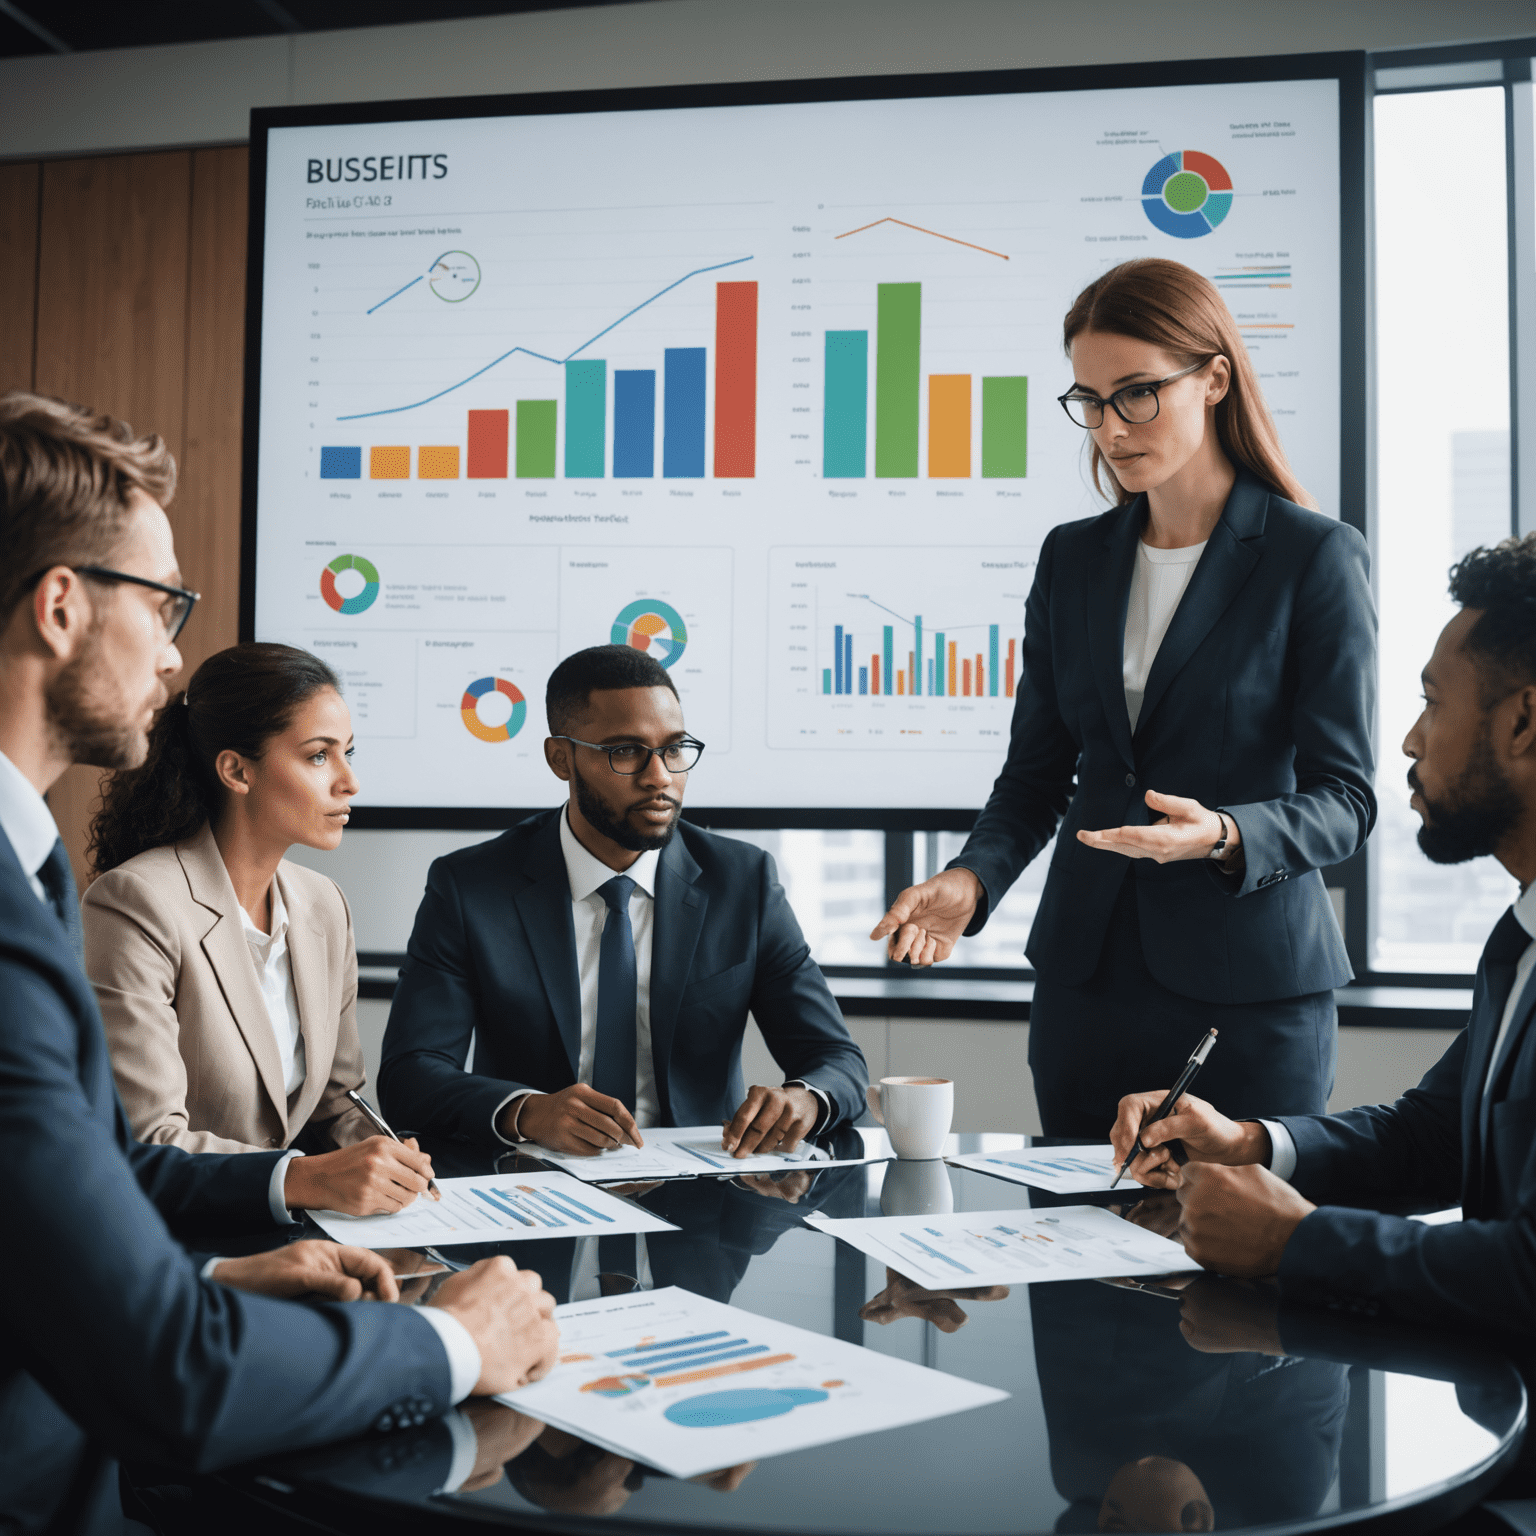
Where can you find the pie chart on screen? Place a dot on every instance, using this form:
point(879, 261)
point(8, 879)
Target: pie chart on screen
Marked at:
point(358, 577)
point(651, 626)
point(1187, 194)
point(487, 688)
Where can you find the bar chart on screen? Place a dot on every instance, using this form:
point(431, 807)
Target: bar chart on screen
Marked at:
point(902, 648)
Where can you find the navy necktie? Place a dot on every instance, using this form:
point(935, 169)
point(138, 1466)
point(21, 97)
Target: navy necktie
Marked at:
point(59, 882)
point(613, 1061)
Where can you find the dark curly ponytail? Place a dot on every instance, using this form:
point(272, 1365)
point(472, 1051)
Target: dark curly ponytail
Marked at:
point(239, 700)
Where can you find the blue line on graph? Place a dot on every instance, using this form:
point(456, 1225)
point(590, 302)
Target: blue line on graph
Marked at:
point(703, 1157)
point(531, 1214)
point(395, 295)
point(646, 1349)
point(498, 1209)
point(395, 410)
point(953, 1263)
point(565, 1199)
point(539, 1199)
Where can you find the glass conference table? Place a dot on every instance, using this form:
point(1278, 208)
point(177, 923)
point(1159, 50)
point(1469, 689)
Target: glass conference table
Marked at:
point(1199, 1404)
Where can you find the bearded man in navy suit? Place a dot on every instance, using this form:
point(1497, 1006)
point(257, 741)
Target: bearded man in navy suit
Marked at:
point(1303, 1196)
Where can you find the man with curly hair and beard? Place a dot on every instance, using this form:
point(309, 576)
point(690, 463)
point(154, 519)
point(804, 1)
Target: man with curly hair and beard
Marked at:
point(1303, 1196)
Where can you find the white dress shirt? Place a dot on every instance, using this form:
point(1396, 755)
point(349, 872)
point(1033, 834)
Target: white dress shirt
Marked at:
point(587, 873)
point(270, 953)
point(1158, 582)
point(27, 823)
point(1282, 1162)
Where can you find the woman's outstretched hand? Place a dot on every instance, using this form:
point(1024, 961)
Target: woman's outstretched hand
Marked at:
point(925, 920)
point(1184, 830)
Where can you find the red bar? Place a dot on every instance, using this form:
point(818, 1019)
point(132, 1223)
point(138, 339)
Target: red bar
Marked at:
point(487, 445)
point(980, 691)
point(736, 381)
point(1008, 675)
point(965, 677)
point(874, 674)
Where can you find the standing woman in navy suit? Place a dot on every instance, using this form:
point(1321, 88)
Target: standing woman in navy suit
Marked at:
point(1195, 709)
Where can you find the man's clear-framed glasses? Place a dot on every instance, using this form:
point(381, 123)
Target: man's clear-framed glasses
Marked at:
point(1136, 404)
point(174, 611)
point(632, 757)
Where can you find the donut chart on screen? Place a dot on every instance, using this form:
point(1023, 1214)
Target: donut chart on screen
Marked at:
point(359, 600)
point(1187, 194)
point(653, 627)
point(469, 707)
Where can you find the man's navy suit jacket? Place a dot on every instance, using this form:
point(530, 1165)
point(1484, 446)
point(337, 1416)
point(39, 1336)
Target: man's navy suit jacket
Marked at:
point(493, 959)
point(1259, 703)
point(109, 1333)
point(1442, 1143)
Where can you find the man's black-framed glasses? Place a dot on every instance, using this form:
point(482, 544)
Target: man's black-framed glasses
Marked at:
point(174, 611)
point(1136, 404)
point(632, 757)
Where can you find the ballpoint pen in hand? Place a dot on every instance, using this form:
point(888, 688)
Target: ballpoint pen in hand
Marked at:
point(1163, 1110)
point(383, 1128)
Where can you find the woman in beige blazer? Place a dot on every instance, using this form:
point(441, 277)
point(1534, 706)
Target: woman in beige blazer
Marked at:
point(227, 975)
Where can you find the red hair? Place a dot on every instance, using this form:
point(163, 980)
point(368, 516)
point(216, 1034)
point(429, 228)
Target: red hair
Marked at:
point(1170, 306)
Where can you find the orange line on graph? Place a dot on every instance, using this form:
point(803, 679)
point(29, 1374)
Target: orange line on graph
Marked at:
point(721, 1370)
point(919, 228)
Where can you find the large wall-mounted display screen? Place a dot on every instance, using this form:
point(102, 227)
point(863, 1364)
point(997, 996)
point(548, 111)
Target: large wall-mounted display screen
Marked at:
point(765, 390)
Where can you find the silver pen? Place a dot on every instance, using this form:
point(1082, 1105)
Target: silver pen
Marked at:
point(383, 1127)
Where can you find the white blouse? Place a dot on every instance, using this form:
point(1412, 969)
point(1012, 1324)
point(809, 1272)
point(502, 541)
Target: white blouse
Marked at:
point(1157, 586)
point(269, 951)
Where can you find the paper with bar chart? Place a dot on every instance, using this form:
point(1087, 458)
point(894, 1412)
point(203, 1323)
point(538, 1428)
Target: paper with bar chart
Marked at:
point(689, 1385)
point(495, 1209)
point(1062, 1170)
point(1072, 1242)
point(540, 381)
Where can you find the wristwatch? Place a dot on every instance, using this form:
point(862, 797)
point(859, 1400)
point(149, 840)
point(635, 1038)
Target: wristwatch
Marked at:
point(1220, 848)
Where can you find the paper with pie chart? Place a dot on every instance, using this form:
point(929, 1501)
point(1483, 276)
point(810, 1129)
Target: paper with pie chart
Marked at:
point(689, 1385)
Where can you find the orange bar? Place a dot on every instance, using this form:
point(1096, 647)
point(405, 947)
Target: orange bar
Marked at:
point(389, 463)
point(1008, 676)
point(979, 676)
point(874, 674)
point(965, 677)
point(901, 681)
point(952, 690)
point(487, 445)
point(735, 381)
point(437, 463)
point(712, 1371)
point(949, 426)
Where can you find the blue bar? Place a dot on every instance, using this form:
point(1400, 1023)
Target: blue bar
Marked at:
point(341, 463)
point(939, 682)
point(917, 1242)
point(837, 659)
point(992, 667)
point(531, 1216)
point(673, 1357)
point(735, 1354)
point(497, 1208)
point(930, 679)
point(863, 680)
point(915, 684)
point(888, 664)
point(847, 663)
point(586, 404)
point(682, 436)
point(634, 423)
point(845, 413)
point(643, 1349)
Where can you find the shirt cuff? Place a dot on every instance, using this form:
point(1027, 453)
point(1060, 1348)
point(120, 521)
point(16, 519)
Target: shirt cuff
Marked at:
point(206, 1272)
point(460, 1347)
point(1282, 1157)
point(466, 1451)
point(513, 1140)
point(824, 1099)
point(275, 1201)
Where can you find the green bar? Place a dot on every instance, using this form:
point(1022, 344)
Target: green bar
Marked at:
point(846, 410)
point(535, 439)
point(940, 665)
point(915, 685)
point(1004, 428)
point(826, 679)
point(897, 384)
point(888, 662)
point(586, 403)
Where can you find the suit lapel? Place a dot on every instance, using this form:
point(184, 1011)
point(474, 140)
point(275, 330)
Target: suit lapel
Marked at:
point(1107, 600)
point(1495, 976)
point(309, 963)
point(224, 944)
point(1500, 1068)
point(680, 910)
point(1224, 567)
point(544, 904)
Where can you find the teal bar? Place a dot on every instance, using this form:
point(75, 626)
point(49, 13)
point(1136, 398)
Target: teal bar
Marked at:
point(826, 679)
point(845, 413)
point(938, 665)
point(888, 664)
point(992, 663)
point(916, 683)
point(586, 407)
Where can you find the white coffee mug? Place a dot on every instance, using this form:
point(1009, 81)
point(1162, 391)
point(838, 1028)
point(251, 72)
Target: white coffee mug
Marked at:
point(917, 1189)
point(915, 1112)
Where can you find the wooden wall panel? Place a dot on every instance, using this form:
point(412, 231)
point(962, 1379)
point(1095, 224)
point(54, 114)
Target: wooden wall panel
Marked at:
point(18, 273)
point(112, 326)
point(206, 511)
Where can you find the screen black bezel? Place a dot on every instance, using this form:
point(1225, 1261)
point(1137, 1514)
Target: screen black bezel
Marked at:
point(1349, 69)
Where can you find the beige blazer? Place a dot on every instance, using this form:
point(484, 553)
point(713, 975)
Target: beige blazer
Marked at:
point(192, 1046)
